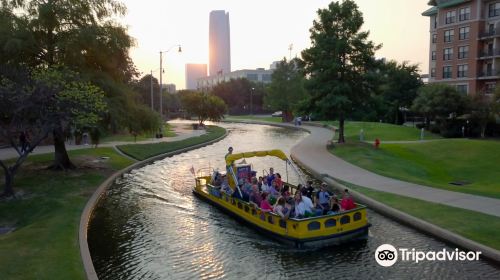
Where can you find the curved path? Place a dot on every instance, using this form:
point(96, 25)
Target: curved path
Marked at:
point(312, 153)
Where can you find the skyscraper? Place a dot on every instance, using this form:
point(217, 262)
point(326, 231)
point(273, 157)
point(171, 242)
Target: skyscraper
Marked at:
point(219, 43)
point(194, 72)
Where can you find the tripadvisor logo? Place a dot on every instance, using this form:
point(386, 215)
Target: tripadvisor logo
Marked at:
point(387, 255)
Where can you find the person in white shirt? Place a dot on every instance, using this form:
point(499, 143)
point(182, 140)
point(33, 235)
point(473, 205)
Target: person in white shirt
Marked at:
point(310, 205)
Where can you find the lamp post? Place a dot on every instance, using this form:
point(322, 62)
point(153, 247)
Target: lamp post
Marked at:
point(161, 81)
point(152, 90)
point(251, 101)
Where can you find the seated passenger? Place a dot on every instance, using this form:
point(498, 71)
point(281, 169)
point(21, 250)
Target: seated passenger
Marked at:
point(278, 181)
point(281, 209)
point(217, 180)
point(255, 196)
point(309, 188)
point(264, 187)
point(300, 206)
point(285, 192)
point(273, 190)
point(334, 206)
point(260, 182)
point(225, 186)
point(347, 202)
point(323, 199)
point(310, 208)
point(264, 204)
point(271, 176)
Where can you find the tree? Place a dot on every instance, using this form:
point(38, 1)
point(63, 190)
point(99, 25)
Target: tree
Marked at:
point(484, 109)
point(141, 120)
point(39, 102)
point(336, 63)
point(239, 94)
point(400, 86)
point(439, 101)
point(286, 90)
point(79, 34)
point(204, 106)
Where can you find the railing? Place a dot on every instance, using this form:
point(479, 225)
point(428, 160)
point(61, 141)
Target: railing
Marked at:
point(488, 73)
point(489, 33)
point(492, 52)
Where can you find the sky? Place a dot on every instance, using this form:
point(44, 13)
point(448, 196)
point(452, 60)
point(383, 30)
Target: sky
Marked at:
point(261, 31)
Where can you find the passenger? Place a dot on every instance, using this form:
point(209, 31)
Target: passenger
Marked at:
point(347, 202)
point(281, 209)
point(334, 206)
point(229, 151)
point(217, 180)
point(271, 176)
point(255, 196)
point(264, 204)
point(285, 192)
point(273, 190)
point(309, 189)
point(278, 180)
point(300, 206)
point(265, 187)
point(323, 198)
point(310, 208)
point(225, 186)
point(260, 182)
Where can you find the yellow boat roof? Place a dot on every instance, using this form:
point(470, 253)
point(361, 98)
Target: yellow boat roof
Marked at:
point(274, 153)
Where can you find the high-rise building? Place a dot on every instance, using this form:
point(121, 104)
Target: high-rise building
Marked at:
point(465, 44)
point(219, 43)
point(193, 73)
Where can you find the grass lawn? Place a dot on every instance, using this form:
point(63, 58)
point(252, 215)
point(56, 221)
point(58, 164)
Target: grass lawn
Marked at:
point(255, 118)
point(44, 244)
point(434, 164)
point(382, 131)
point(479, 227)
point(127, 137)
point(144, 151)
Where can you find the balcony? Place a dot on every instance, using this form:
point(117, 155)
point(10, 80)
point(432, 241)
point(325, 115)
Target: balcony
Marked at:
point(489, 74)
point(489, 34)
point(489, 54)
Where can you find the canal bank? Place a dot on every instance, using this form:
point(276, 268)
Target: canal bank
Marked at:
point(87, 212)
point(312, 154)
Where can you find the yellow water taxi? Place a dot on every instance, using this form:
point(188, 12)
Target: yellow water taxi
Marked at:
point(308, 232)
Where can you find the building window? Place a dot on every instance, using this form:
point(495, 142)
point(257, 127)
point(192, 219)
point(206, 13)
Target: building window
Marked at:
point(463, 33)
point(433, 55)
point(434, 18)
point(494, 10)
point(433, 72)
point(448, 54)
point(266, 77)
point(462, 88)
point(462, 71)
point(434, 38)
point(464, 14)
point(448, 35)
point(447, 72)
point(463, 52)
point(253, 77)
point(450, 17)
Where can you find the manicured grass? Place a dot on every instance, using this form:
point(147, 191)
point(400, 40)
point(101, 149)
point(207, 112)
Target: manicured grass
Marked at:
point(144, 151)
point(476, 226)
point(434, 164)
point(382, 131)
point(127, 137)
point(255, 118)
point(46, 216)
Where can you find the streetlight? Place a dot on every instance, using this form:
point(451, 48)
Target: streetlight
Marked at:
point(251, 101)
point(151, 85)
point(161, 83)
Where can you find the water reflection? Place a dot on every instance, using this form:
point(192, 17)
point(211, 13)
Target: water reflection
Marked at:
point(150, 226)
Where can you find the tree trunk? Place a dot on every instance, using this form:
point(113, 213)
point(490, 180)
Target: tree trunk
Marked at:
point(483, 130)
point(9, 181)
point(341, 128)
point(61, 158)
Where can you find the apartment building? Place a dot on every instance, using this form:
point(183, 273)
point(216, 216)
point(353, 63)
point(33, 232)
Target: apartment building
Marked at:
point(465, 44)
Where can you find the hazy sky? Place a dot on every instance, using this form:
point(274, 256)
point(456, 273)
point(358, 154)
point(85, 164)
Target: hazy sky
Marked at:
point(261, 31)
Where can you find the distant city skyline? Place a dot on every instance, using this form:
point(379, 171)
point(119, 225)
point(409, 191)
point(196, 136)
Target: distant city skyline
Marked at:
point(261, 31)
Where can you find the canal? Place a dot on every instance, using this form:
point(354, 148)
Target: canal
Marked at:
point(148, 225)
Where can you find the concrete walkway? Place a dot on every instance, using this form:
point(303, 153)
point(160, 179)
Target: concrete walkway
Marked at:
point(179, 129)
point(312, 152)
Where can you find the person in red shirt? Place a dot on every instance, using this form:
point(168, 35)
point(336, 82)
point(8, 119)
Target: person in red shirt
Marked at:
point(347, 202)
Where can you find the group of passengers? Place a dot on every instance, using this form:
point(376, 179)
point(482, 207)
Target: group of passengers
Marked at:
point(271, 194)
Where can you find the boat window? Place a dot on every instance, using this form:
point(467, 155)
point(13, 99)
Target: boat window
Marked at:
point(254, 212)
point(313, 226)
point(240, 205)
point(282, 223)
point(233, 201)
point(345, 220)
point(270, 219)
point(330, 223)
point(247, 208)
point(357, 216)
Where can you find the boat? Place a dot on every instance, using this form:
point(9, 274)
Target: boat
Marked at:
point(311, 232)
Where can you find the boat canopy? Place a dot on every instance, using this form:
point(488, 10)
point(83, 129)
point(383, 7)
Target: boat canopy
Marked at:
point(275, 153)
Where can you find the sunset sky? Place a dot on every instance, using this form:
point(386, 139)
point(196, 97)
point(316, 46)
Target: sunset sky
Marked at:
point(261, 31)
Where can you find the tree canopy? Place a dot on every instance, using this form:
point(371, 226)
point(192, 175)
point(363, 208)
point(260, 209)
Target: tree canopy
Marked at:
point(203, 106)
point(337, 61)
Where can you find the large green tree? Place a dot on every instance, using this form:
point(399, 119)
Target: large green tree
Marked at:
point(79, 34)
point(203, 106)
point(401, 82)
point(286, 90)
point(337, 61)
point(240, 95)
